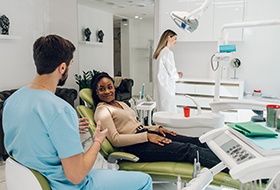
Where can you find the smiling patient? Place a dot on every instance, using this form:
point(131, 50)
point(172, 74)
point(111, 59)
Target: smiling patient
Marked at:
point(149, 143)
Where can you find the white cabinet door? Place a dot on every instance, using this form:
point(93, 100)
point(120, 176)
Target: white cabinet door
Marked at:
point(229, 91)
point(184, 101)
point(202, 91)
point(185, 88)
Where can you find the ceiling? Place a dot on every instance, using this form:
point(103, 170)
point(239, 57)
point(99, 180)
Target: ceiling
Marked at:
point(128, 9)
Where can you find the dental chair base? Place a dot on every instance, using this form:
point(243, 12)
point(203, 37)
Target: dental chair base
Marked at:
point(193, 126)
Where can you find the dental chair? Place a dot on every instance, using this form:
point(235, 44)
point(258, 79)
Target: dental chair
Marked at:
point(159, 171)
point(21, 177)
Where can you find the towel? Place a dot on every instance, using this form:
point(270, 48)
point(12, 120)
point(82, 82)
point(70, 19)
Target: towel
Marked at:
point(251, 129)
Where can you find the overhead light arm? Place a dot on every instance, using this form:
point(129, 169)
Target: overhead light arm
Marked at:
point(189, 21)
point(222, 41)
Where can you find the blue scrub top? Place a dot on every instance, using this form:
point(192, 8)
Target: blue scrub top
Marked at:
point(40, 129)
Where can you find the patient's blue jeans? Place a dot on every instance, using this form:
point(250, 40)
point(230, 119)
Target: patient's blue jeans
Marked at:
point(182, 149)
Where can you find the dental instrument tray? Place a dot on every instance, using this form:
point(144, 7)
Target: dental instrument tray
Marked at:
point(248, 158)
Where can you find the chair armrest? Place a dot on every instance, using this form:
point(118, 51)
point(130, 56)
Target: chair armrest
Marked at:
point(115, 156)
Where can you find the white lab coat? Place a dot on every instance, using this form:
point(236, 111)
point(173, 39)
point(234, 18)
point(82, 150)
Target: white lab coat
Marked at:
point(165, 77)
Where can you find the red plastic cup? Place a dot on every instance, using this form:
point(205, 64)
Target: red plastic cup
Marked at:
point(187, 111)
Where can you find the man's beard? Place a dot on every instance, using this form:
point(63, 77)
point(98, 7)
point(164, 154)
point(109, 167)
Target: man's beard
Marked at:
point(63, 79)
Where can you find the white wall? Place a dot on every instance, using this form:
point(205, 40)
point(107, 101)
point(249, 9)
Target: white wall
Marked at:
point(34, 18)
point(125, 48)
point(28, 21)
point(141, 35)
point(98, 57)
point(258, 52)
point(64, 22)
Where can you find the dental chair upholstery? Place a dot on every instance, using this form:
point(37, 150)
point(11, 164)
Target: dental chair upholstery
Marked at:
point(20, 177)
point(129, 162)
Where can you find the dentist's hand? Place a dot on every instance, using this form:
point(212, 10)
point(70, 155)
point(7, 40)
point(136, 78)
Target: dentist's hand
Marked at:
point(164, 131)
point(159, 140)
point(98, 134)
point(83, 125)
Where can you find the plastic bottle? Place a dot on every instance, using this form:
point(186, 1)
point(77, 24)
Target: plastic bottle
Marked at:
point(257, 93)
point(179, 182)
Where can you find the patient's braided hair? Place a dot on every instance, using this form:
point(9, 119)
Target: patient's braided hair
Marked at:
point(94, 83)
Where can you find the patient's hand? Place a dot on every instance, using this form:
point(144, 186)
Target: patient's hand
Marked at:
point(83, 125)
point(159, 140)
point(164, 131)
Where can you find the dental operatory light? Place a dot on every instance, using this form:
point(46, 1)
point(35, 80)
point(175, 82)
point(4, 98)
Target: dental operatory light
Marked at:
point(189, 25)
point(189, 21)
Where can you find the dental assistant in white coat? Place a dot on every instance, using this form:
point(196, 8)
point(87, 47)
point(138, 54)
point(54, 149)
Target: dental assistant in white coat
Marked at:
point(165, 75)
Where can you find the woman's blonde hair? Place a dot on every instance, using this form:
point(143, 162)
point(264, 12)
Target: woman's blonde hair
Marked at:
point(163, 41)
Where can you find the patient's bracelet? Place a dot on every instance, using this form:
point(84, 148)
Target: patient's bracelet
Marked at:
point(95, 140)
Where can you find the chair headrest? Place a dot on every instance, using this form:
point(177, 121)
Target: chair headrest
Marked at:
point(86, 95)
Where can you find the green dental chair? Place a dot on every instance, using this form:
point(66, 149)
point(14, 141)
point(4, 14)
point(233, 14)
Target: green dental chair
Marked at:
point(159, 171)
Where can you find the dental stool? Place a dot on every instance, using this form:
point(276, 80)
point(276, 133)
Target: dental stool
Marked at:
point(20, 177)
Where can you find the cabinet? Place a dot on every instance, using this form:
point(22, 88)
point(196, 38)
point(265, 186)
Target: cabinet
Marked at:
point(202, 90)
point(219, 13)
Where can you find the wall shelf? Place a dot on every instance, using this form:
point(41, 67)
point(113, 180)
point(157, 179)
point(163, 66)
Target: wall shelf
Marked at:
point(91, 43)
point(9, 37)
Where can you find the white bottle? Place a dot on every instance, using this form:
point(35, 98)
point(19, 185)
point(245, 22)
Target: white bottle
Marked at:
point(179, 183)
